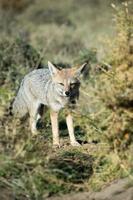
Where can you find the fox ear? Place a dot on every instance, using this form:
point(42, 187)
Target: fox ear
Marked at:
point(53, 70)
point(81, 70)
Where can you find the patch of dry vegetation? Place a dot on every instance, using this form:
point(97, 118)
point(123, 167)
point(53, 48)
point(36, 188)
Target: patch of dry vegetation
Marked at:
point(29, 167)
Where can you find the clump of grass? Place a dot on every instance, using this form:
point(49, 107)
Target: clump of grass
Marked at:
point(72, 166)
point(29, 166)
point(112, 90)
point(34, 177)
point(17, 58)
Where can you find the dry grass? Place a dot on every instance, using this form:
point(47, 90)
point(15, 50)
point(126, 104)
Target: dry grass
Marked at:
point(30, 168)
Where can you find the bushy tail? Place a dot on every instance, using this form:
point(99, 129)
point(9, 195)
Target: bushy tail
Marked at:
point(19, 107)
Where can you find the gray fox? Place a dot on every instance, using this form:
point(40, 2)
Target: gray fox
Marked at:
point(55, 88)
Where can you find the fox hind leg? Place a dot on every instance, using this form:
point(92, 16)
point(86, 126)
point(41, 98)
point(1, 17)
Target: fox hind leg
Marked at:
point(33, 126)
point(34, 117)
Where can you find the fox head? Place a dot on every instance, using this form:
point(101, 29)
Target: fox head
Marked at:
point(66, 80)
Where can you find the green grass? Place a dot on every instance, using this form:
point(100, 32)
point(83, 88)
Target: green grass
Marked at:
point(67, 33)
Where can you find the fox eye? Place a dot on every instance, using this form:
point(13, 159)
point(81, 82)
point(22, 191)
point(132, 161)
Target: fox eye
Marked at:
point(61, 84)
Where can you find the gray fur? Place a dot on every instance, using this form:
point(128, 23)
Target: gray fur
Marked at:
point(38, 88)
point(52, 88)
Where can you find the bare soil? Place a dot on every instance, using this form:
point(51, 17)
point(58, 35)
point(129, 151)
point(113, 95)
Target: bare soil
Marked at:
point(117, 190)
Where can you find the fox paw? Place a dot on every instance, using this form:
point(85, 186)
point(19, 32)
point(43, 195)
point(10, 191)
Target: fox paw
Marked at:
point(34, 132)
point(56, 146)
point(75, 144)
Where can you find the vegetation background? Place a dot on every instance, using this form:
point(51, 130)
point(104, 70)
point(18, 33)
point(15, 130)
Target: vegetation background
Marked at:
point(68, 33)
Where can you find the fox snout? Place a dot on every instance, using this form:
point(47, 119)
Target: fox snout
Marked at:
point(67, 93)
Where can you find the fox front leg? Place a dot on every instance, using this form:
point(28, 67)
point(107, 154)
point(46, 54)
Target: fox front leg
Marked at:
point(69, 121)
point(55, 128)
